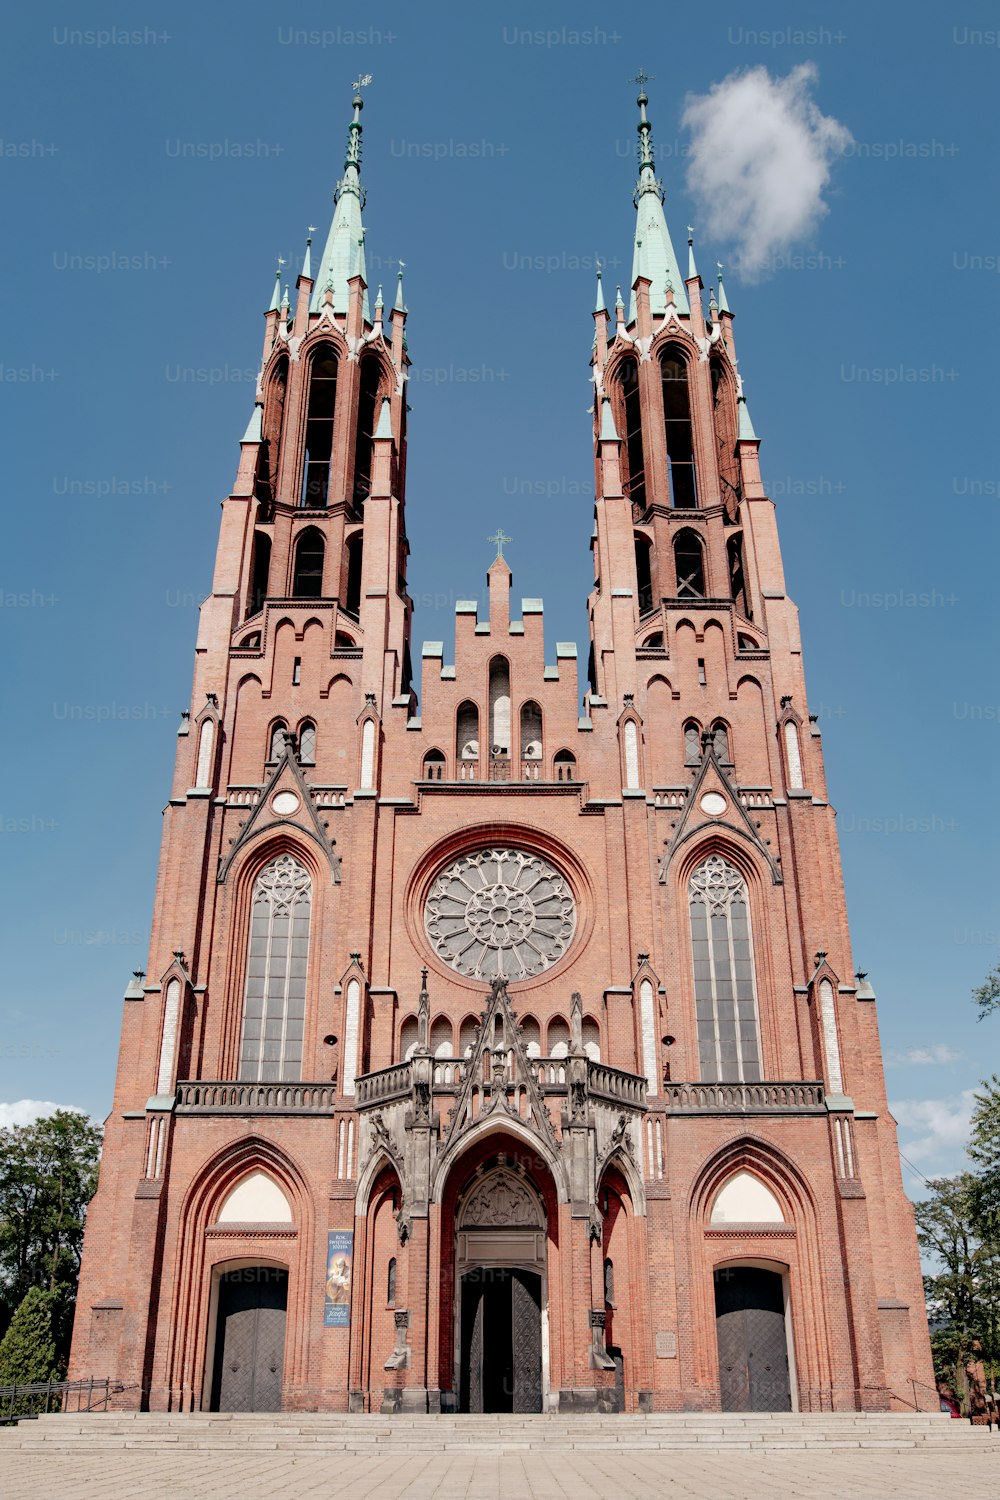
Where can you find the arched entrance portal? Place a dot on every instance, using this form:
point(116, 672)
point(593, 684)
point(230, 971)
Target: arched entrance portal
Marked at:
point(501, 1294)
point(750, 1321)
point(249, 1339)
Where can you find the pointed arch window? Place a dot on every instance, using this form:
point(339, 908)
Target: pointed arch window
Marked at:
point(355, 562)
point(644, 572)
point(689, 560)
point(531, 731)
point(307, 579)
point(467, 732)
point(724, 988)
point(499, 706)
point(692, 744)
point(276, 746)
point(307, 743)
point(737, 576)
point(724, 419)
point(390, 1283)
point(363, 444)
point(720, 742)
point(275, 996)
point(260, 570)
point(565, 764)
point(274, 418)
point(634, 481)
point(677, 424)
point(319, 429)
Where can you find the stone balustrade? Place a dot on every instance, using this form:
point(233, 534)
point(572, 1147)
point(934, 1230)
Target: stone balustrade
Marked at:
point(774, 1098)
point(229, 1097)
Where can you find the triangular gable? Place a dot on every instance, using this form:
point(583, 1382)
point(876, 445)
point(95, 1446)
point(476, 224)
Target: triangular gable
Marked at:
point(286, 777)
point(712, 779)
point(509, 1064)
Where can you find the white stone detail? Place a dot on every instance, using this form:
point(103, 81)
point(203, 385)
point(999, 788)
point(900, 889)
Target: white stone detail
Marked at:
point(203, 775)
point(256, 1199)
point(631, 754)
point(714, 804)
point(285, 803)
point(647, 1016)
point(793, 757)
point(831, 1041)
point(351, 1029)
point(744, 1199)
point(368, 754)
point(168, 1041)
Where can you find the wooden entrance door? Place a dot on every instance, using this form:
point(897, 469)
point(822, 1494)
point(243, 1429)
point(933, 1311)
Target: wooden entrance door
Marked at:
point(501, 1340)
point(250, 1340)
point(753, 1345)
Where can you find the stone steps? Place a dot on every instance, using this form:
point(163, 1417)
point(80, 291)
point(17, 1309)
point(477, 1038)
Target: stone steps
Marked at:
point(298, 1433)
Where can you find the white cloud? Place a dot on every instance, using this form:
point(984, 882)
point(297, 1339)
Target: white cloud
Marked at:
point(27, 1111)
point(760, 162)
point(940, 1052)
point(943, 1131)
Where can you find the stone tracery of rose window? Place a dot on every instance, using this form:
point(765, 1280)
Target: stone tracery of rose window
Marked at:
point(500, 911)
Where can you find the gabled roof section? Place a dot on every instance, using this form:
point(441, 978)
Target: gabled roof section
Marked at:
point(732, 816)
point(286, 777)
point(509, 1065)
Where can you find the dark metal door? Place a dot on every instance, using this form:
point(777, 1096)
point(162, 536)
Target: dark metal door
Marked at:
point(250, 1340)
point(471, 1376)
point(526, 1315)
point(753, 1345)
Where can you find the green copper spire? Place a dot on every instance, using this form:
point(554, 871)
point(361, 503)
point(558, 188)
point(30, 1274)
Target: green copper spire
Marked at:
point(744, 428)
point(608, 431)
point(654, 253)
point(275, 301)
point(384, 428)
point(307, 258)
point(344, 253)
point(692, 268)
point(255, 426)
point(601, 305)
point(399, 305)
point(723, 303)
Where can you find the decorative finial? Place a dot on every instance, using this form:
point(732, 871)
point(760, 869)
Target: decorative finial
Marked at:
point(499, 540)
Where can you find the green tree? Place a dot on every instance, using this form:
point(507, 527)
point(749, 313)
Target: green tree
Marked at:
point(987, 995)
point(984, 1150)
point(28, 1349)
point(48, 1173)
point(963, 1290)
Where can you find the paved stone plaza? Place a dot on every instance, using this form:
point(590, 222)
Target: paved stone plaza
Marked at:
point(705, 1456)
point(598, 1474)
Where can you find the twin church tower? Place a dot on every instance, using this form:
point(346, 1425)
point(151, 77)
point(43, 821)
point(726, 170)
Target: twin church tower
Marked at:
point(501, 1050)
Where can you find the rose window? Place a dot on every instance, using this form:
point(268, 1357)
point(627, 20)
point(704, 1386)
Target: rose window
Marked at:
point(500, 912)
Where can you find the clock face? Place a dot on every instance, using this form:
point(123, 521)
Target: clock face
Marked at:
point(500, 911)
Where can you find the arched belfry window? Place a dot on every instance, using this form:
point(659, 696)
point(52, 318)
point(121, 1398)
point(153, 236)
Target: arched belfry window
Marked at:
point(677, 423)
point(724, 990)
point(737, 576)
point(274, 1000)
point(724, 419)
point(467, 732)
point(274, 415)
point(531, 731)
point(689, 561)
point(319, 428)
point(644, 572)
point(307, 578)
point(634, 475)
point(363, 443)
point(276, 744)
point(499, 706)
point(261, 571)
point(355, 566)
point(692, 744)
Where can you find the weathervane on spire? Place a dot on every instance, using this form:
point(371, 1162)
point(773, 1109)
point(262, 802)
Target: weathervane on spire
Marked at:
point(361, 83)
point(499, 539)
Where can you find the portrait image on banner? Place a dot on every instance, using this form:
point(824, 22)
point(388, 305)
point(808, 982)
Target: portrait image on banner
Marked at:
point(339, 1265)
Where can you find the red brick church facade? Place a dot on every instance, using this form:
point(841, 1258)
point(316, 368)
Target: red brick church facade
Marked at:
point(495, 1054)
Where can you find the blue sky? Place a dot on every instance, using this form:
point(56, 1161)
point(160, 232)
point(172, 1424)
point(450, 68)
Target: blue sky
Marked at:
point(155, 161)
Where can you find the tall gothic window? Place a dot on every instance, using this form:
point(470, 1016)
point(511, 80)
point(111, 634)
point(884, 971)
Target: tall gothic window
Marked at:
point(635, 480)
point(367, 402)
point(689, 560)
point(307, 578)
point(319, 429)
point(677, 423)
point(275, 999)
point(725, 998)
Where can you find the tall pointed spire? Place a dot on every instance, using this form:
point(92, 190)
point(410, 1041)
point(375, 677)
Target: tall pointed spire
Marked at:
point(723, 300)
point(275, 301)
point(307, 258)
point(344, 252)
point(692, 267)
point(654, 252)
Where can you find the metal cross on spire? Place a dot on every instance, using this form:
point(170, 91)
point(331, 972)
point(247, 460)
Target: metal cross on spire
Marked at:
point(362, 82)
point(499, 540)
point(642, 78)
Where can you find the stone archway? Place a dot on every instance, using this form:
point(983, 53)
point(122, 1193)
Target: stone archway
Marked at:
point(501, 1294)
